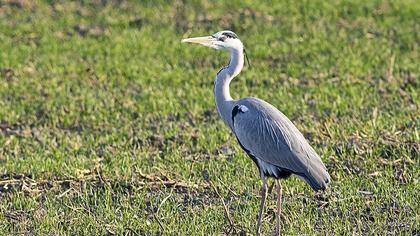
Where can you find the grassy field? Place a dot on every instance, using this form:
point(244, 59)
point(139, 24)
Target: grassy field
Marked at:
point(108, 124)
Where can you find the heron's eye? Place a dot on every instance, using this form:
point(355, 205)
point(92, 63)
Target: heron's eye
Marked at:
point(222, 38)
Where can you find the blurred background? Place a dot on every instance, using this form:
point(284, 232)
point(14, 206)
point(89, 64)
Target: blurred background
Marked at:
point(108, 124)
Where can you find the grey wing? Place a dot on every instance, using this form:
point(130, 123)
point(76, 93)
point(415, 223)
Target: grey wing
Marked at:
point(272, 139)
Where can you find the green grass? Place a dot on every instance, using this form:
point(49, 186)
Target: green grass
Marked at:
point(108, 124)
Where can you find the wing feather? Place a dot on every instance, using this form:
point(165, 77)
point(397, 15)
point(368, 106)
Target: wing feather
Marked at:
point(271, 137)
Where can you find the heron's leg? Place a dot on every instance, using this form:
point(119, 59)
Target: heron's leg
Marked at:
point(263, 197)
point(279, 193)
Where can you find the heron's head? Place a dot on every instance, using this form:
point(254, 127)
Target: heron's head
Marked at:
point(223, 40)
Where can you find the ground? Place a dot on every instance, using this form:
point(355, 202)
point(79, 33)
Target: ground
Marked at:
point(108, 124)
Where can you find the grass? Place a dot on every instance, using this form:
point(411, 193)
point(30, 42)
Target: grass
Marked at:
point(108, 124)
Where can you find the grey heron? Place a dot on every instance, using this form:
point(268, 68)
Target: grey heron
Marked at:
point(272, 141)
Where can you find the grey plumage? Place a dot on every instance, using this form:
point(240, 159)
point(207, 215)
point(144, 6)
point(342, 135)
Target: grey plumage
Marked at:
point(276, 144)
point(267, 135)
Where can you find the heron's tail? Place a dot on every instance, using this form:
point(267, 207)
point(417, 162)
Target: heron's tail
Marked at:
point(317, 175)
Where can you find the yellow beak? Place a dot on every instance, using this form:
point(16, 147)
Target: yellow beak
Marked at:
point(206, 41)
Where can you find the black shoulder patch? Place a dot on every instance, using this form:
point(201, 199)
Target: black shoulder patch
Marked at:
point(235, 111)
point(230, 35)
point(238, 109)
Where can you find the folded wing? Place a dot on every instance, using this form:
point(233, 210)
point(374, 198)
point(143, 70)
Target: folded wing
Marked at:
point(270, 137)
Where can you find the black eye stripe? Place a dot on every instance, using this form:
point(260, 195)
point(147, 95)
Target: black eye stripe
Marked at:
point(230, 35)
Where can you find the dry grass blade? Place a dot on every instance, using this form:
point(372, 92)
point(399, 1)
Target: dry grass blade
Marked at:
point(232, 225)
point(158, 179)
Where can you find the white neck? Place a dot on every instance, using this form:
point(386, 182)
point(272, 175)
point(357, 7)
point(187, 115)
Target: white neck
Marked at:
point(224, 101)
